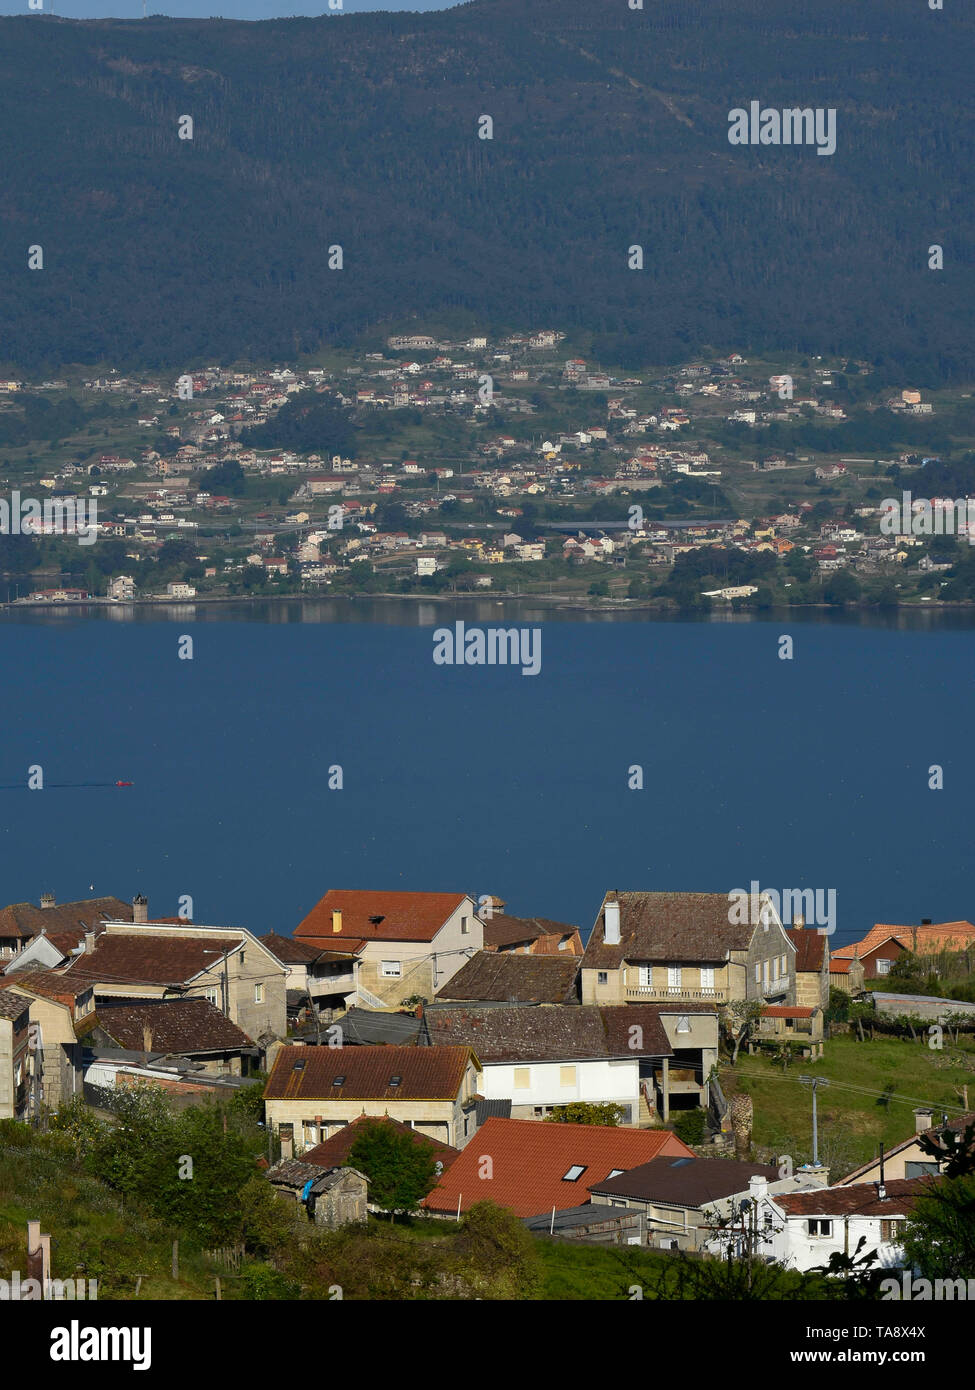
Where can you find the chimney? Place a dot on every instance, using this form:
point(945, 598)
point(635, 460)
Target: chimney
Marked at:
point(419, 1011)
point(757, 1187)
point(336, 921)
point(48, 900)
point(799, 921)
point(89, 940)
point(611, 922)
point(925, 921)
point(881, 1185)
point(146, 1039)
point(923, 1118)
point(140, 909)
point(286, 1133)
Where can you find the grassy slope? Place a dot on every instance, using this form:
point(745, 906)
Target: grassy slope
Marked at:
point(851, 1123)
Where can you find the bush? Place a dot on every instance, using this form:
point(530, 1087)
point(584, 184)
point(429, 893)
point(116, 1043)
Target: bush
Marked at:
point(690, 1126)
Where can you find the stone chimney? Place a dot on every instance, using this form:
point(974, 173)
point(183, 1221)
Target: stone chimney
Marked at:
point(286, 1133)
point(611, 921)
point(336, 920)
point(140, 909)
point(923, 1118)
point(89, 940)
point(48, 900)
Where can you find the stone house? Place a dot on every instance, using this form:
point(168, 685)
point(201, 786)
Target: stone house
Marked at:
point(332, 1197)
point(14, 1055)
point(58, 1008)
point(688, 947)
point(811, 966)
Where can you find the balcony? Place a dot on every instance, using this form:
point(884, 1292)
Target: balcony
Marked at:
point(779, 986)
point(650, 994)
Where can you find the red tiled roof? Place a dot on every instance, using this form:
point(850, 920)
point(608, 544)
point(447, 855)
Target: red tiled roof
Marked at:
point(931, 936)
point(810, 947)
point(502, 930)
point(178, 1026)
point(24, 919)
point(309, 1073)
point(859, 1199)
point(144, 958)
point(49, 984)
point(784, 1011)
point(334, 1152)
point(529, 1160)
point(405, 916)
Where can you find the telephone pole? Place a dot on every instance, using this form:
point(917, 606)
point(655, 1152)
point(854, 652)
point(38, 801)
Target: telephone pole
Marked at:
point(814, 1082)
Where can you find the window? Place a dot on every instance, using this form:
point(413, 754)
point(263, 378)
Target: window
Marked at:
point(338, 1080)
point(673, 977)
point(616, 1173)
point(395, 1081)
point(210, 995)
point(602, 977)
point(758, 973)
point(522, 1078)
point(819, 1227)
point(258, 994)
point(466, 1124)
point(390, 969)
point(574, 1173)
point(920, 1170)
point(683, 1023)
point(465, 926)
point(567, 1076)
point(563, 945)
point(646, 976)
point(888, 1230)
point(615, 1202)
point(707, 977)
point(883, 966)
point(539, 1112)
point(783, 966)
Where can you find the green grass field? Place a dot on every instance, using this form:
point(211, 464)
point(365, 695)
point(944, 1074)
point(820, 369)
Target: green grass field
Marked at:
point(851, 1120)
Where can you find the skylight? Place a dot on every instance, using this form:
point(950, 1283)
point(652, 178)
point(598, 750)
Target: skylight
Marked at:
point(574, 1173)
point(338, 1081)
point(395, 1080)
point(617, 1172)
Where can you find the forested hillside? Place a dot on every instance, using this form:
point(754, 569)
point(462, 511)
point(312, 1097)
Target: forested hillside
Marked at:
point(610, 129)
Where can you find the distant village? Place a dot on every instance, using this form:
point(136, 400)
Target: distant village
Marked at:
point(576, 512)
point(597, 1075)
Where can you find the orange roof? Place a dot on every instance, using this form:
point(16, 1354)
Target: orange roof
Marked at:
point(931, 936)
point(530, 1160)
point(399, 916)
point(785, 1011)
point(839, 966)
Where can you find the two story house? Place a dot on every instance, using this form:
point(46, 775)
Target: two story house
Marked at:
point(690, 947)
point(405, 945)
point(313, 1092)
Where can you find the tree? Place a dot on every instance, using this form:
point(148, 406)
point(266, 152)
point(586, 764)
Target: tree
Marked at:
point(939, 1237)
point(401, 1169)
point(738, 1022)
point(586, 1113)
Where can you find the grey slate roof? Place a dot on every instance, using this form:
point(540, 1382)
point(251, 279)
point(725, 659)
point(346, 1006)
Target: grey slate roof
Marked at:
point(580, 1032)
point(490, 975)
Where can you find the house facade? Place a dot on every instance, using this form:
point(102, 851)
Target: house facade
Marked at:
point(405, 945)
point(313, 1092)
point(690, 947)
point(57, 1008)
point(14, 1055)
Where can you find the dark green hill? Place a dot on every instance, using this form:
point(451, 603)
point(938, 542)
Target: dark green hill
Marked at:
point(610, 129)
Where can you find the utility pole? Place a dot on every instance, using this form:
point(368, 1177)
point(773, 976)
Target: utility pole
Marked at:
point(814, 1082)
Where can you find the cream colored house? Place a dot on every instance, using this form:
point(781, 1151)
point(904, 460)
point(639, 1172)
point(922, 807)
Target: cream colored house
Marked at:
point(666, 947)
point(313, 1092)
point(56, 1006)
point(154, 960)
point(405, 945)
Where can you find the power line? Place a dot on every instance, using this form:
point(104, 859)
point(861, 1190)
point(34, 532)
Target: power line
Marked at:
point(863, 1090)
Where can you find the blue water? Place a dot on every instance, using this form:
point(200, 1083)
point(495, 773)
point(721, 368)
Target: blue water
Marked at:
point(804, 773)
